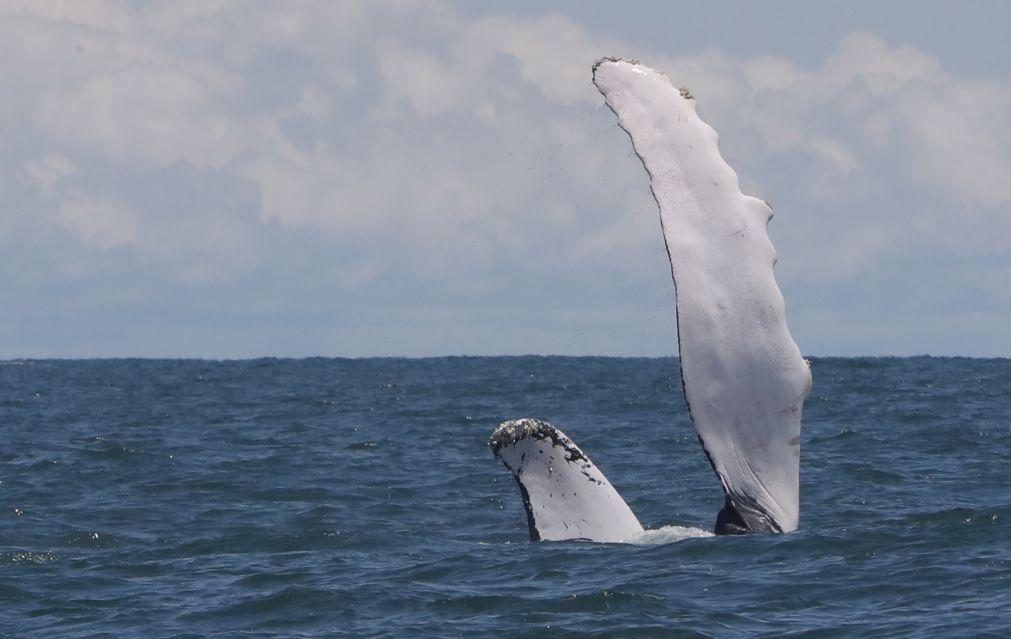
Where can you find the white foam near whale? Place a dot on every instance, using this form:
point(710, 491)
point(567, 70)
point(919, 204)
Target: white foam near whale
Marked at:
point(744, 378)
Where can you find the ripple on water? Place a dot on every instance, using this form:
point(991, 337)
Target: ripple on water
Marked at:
point(358, 498)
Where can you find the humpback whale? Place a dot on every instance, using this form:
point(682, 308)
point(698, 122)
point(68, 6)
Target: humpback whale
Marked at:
point(743, 377)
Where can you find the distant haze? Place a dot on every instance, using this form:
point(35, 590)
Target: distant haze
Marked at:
point(235, 179)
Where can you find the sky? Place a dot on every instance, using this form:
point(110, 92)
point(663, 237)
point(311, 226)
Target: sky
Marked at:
point(232, 179)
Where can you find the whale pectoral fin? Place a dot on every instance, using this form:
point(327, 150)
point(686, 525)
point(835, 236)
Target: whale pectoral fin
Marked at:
point(743, 376)
point(564, 494)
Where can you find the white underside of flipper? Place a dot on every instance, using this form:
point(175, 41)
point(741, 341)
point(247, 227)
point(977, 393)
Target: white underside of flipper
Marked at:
point(744, 378)
point(565, 495)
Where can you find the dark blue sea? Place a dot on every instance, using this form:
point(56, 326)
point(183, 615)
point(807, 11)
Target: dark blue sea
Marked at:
point(358, 498)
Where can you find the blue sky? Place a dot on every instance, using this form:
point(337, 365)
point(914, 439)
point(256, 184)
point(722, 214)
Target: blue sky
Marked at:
point(237, 179)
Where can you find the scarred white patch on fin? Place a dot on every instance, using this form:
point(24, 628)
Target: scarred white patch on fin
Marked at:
point(565, 495)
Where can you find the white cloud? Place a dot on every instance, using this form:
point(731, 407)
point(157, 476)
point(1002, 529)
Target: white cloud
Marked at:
point(422, 144)
point(961, 134)
point(100, 224)
point(885, 69)
point(428, 84)
point(146, 113)
point(552, 53)
point(44, 174)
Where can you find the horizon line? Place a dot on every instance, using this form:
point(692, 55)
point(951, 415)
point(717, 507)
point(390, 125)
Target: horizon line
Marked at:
point(253, 358)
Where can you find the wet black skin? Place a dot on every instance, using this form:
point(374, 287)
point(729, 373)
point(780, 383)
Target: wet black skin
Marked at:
point(730, 522)
point(741, 515)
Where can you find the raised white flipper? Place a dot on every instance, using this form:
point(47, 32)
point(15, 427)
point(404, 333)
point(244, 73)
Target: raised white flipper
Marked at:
point(565, 495)
point(744, 378)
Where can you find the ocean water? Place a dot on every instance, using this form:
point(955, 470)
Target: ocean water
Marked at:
point(358, 498)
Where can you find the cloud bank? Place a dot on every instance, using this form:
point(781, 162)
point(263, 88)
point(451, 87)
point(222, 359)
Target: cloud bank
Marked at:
point(233, 179)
